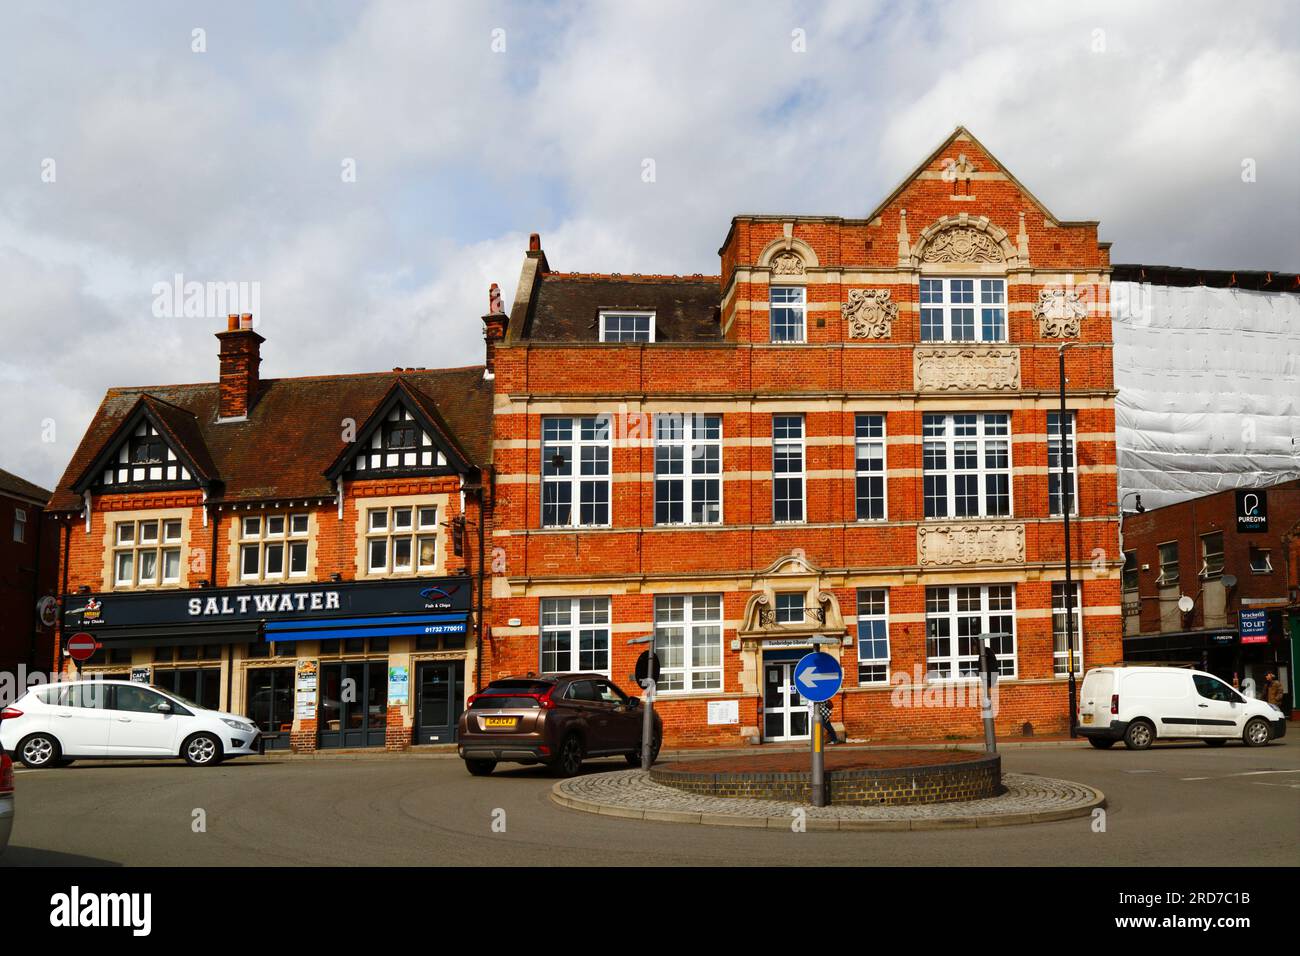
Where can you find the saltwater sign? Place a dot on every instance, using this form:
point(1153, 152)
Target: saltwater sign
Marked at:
point(334, 599)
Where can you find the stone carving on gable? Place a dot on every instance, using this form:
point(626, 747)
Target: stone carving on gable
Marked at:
point(1059, 312)
point(787, 264)
point(962, 244)
point(970, 544)
point(870, 313)
point(967, 369)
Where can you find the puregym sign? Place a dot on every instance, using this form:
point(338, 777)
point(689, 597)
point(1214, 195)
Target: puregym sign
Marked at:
point(1252, 511)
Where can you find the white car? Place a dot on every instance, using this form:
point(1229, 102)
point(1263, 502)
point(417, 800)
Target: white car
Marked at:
point(1140, 705)
point(54, 724)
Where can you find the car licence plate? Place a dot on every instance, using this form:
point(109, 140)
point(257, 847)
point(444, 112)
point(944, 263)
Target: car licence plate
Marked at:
point(501, 723)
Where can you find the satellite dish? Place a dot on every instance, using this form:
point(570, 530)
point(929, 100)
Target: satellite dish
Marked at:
point(1185, 604)
point(1229, 580)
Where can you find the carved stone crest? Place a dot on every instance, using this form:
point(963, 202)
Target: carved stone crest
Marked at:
point(1059, 312)
point(787, 264)
point(870, 313)
point(967, 544)
point(967, 369)
point(962, 244)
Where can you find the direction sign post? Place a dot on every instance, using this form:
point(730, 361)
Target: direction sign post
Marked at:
point(818, 677)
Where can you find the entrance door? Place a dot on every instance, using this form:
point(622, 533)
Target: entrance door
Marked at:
point(269, 704)
point(441, 698)
point(353, 704)
point(785, 712)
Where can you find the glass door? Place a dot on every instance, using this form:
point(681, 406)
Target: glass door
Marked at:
point(353, 704)
point(269, 703)
point(440, 701)
point(785, 712)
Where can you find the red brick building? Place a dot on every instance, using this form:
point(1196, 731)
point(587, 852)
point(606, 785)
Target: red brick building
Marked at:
point(850, 433)
point(1234, 558)
point(298, 550)
point(27, 562)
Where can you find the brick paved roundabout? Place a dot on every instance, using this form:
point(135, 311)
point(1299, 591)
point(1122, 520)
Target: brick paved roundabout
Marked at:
point(1028, 798)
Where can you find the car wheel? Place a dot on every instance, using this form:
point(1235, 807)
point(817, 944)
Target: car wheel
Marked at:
point(480, 768)
point(569, 760)
point(1102, 743)
point(1215, 741)
point(202, 750)
point(1257, 733)
point(1140, 735)
point(39, 751)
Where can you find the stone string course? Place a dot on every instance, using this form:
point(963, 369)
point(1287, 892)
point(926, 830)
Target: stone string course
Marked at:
point(632, 794)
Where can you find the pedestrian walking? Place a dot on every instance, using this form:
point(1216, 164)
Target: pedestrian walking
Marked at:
point(824, 713)
point(1273, 690)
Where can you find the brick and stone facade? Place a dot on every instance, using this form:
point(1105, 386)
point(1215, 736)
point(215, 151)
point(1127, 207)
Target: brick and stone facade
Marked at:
point(960, 215)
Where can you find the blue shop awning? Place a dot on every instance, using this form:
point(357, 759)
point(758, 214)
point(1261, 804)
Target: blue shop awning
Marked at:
point(401, 625)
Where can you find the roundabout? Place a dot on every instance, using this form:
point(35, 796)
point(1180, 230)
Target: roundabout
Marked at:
point(633, 794)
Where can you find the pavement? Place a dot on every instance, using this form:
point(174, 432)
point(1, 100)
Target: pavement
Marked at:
point(1176, 804)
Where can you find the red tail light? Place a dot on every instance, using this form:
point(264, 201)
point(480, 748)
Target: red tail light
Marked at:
point(9, 713)
point(6, 774)
point(1114, 704)
point(472, 698)
point(545, 699)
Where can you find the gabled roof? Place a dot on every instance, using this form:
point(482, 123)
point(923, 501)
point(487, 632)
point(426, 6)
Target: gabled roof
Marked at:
point(961, 133)
point(291, 436)
point(178, 427)
point(15, 487)
point(423, 409)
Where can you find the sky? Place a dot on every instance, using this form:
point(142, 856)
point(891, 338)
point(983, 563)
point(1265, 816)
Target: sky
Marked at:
point(369, 169)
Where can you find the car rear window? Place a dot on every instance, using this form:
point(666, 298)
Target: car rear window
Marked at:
point(502, 700)
point(518, 685)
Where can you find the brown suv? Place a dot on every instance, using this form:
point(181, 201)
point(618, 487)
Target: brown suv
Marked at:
point(553, 719)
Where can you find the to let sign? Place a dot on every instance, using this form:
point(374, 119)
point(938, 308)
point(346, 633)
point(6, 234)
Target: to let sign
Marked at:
point(1254, 626)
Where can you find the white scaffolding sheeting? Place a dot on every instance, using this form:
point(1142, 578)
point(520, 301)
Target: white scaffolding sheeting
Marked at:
point(1209, 389)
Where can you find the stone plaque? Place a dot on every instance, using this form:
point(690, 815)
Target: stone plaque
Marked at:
point(969, 544)
point(971, 368)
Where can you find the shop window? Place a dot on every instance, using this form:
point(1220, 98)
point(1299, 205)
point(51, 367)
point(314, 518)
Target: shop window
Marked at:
point(257, 649)
point(873, 636)
point(575, 469)
point(202, 685)
point(1212, 555)
point(787, 468)
point(966, 465)
point(1261, 561)
point(950, 313)
point(352, 645)
point(787, 312)
point(575, 635)
point(146, 553)
point(688, 469)
point(688, 641)
point(273, 547)
point(1168, 564)
point(1060, 648)
point(869, 466)
point(956, 616)
point(402, 539)
point(627, 326)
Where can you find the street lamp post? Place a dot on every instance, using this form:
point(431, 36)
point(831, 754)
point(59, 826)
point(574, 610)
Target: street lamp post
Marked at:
point(1067, 453)
point(648, 711)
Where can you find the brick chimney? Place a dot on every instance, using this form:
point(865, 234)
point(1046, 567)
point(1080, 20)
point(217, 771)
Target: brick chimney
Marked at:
point(494, 328)
point(240, 355)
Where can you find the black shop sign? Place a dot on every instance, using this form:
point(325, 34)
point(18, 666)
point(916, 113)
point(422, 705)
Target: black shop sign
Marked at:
point(1252, 511)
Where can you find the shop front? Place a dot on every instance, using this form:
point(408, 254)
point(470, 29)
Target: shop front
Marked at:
point(314, 665)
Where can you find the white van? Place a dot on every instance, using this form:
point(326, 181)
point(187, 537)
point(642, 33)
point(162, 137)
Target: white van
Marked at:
point(1139, 705)
point(54, 724)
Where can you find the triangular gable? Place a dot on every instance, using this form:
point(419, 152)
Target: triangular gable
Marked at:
point(181, 459)
point(434, 450)
point(955, 139)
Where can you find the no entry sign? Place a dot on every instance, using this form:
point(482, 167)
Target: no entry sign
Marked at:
point(82, 646)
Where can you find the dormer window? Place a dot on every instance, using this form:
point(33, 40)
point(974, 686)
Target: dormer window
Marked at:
point(399, 443)
point(400, 436)
point(627, 326)
point(145, 459)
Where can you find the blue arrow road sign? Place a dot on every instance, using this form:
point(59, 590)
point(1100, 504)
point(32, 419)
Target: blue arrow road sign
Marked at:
point(818, 676)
